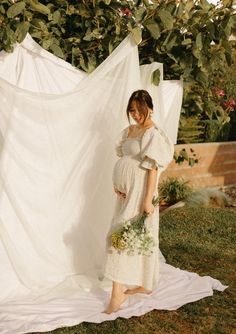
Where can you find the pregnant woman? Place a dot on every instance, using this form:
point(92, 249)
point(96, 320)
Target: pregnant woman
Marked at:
point(143, 150)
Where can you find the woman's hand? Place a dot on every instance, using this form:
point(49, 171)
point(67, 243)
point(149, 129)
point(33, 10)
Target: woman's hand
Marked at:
point(147, 207)
point(120, 194)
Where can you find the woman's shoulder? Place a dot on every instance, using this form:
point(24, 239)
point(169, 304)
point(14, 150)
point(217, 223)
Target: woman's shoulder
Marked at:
point(156, 131)
point(156, 137)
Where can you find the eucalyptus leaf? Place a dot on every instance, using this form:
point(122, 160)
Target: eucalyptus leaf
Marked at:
point(39, 24)
point(156, 77)
point(22, 30)
point(180, 9)
point(202, 78)
point(137, 33)
point(57, 50)
point(171, 42)
point(46, 44)
point(199, 41)
point(38, 7)
point(56, 17)
point(166, 18)
point(191, 161)
point(15, 9)
point(189, 5)
point(184, 154)
point(153, 27)
point(196, 52)
point(186, 41)
point(2, 9)
point(118, 29)
point(140, 13)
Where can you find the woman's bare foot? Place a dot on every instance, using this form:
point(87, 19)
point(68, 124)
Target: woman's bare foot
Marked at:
point(115, 303)
point(139, 289)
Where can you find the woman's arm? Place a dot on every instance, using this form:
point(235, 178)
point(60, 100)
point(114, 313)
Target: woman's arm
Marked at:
point(147, 206)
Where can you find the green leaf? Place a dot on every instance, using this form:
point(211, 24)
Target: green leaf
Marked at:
point(46, 44)
point(191, 162)
point(2, 9)
point(186, 41)
point(92, 62)
point(57, 50)
point(204, 4)
point(15, 9)
point(110, 47)
point(226, 45)
point(153, 28)
point(196, 52)
point(156, 77)
point(21, 31)
point(180, 9)
point(228, 58)
point(9, 39)
point(166, 19)
point(137, 34)
point(184, 154)
point(140, 13)
point(40, 24)
point(88, 37)
point(211, 29)
point(189, 5)
point(170, 41)
point(38, 7)
point(56, 17)
point(199, 41)
point(202, 78)
point(117, 28)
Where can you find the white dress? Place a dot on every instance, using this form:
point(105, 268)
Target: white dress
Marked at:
point(137, 155)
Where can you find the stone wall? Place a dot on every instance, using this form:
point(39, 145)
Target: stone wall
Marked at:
point(216, 166)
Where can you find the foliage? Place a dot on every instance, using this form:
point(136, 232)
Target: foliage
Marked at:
point(206, 116)
point(191, 39)
point(172, 190)
point(183, 155)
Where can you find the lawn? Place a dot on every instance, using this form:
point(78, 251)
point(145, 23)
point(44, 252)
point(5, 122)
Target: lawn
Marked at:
point(195, 239)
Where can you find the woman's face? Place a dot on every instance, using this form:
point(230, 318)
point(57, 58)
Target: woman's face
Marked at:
point(135, 114)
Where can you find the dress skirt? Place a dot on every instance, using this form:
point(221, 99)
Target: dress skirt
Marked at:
point(135, 270)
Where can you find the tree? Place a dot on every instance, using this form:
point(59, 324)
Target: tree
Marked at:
point(189, 37)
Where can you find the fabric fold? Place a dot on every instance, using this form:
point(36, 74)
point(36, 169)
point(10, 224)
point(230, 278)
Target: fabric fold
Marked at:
point(57, 132)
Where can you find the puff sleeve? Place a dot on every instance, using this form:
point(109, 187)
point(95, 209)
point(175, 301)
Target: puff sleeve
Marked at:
point(119, 141)
point(157, 150)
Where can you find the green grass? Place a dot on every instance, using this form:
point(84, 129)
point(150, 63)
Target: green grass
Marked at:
point(195, 239)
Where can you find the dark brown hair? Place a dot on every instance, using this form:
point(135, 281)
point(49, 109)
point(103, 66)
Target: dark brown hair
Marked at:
point(143, 102)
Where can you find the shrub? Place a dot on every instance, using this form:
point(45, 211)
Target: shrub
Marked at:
point(172, 190)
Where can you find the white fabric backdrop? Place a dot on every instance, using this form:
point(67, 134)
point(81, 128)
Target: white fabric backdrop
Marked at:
point(57, 131)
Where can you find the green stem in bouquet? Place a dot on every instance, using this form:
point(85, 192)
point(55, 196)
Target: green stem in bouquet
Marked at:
point(134, 236)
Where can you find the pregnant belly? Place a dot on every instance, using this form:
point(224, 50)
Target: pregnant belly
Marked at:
point(127, 173)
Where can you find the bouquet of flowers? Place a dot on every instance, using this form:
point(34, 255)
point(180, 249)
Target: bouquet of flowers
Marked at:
point(134, 236)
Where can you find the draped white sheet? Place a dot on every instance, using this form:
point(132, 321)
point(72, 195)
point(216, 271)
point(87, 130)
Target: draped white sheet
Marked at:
point(57, 131)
